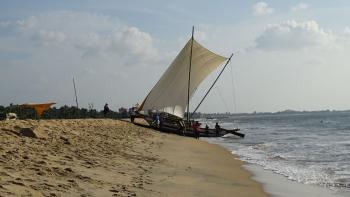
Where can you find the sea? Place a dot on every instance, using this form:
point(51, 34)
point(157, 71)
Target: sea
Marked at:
point(311, 148)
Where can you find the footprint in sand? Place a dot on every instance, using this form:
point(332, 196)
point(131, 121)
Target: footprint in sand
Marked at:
point(121, 190)
point(83, 178)
point(16, 183)
point(4, 174)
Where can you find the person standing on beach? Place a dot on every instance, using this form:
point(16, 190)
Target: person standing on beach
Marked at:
point(207, 130)
point(195, 127)
point(132, 114)
point(217, 129)
point(105, 110)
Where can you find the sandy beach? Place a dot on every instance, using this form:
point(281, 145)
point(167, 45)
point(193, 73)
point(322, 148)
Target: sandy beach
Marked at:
point(103, 157)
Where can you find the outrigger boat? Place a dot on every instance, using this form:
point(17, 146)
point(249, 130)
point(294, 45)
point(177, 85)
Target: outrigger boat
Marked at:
point(164, 106)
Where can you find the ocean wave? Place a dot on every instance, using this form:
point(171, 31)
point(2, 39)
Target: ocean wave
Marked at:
point(300, 148)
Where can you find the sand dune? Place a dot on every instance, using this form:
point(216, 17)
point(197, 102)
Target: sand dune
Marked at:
point(102, 157)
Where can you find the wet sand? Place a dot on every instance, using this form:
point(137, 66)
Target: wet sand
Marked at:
point(102, 157)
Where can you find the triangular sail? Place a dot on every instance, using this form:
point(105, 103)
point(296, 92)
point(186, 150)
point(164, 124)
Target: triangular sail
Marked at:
point(170, 93)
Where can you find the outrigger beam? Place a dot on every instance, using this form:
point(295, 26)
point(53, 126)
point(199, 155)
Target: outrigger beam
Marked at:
point(228, 61)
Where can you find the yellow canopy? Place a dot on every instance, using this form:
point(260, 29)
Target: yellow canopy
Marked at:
point(38, 107)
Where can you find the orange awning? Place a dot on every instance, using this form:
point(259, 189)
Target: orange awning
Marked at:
point(38, 107)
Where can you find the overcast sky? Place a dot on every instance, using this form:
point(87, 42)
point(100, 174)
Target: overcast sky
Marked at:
point(288, 54)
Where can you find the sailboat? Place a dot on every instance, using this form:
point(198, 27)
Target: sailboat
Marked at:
point(164, 107)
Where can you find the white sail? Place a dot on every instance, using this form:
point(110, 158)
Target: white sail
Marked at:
point(170, 93)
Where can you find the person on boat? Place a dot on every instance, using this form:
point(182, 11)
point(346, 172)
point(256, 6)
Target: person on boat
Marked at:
point(160, 120)
point(191, 123)
point(156, 120)
point(206, 130)
point(181, 125)
point(217, 129)
point(105, 109)
point(195, 127)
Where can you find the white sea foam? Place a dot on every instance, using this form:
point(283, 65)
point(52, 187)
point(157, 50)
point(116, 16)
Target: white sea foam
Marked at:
point(302, 148)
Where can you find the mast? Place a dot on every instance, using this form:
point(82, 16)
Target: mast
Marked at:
point(75, 92)
point(189, 79)
point(206, 94)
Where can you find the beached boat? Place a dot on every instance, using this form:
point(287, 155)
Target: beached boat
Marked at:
point(164, 107)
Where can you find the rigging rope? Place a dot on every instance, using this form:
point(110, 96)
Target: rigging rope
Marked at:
point(221, 97)
point(234, 96)
point(234, 104)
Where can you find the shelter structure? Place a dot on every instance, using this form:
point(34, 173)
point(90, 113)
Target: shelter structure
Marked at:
point(38, 107)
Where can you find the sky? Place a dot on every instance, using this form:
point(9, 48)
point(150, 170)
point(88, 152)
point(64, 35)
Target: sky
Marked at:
point(287, 54)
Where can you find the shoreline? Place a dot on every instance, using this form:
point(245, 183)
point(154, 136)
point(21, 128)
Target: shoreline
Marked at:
point(278, 185)
point(198, 168)
point(104, 157)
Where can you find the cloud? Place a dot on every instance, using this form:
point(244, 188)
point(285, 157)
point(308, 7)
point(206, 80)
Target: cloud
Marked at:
point(347, 30)
point(101, 52)
point(130, 40)
point(48, 37)
point(293, 35)
point(91, 34)
point(300, 7)
point(19, 24)
point(124, 42)
point(262, 8)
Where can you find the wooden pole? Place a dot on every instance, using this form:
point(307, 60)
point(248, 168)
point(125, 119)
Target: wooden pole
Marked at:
point(75, 92)
point(229, 59)
point(189, 79)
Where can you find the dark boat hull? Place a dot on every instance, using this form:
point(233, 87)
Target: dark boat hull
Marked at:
point(173, 124)
point(202, 132)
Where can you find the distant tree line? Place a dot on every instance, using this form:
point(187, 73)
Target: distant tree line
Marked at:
point(195, 115)
point(64, 112)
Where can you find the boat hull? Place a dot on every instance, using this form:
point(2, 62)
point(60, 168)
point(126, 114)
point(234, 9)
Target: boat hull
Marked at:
point(172, 124)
